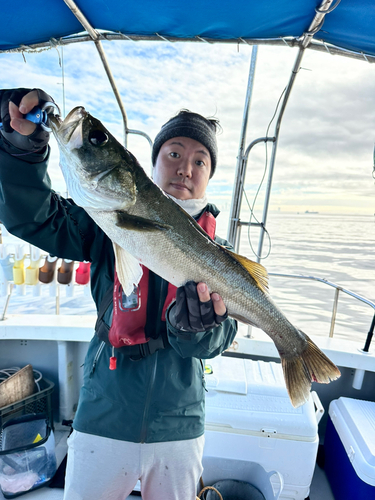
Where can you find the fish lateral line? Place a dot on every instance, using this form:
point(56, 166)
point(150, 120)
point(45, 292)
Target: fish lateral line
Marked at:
point(136, 223)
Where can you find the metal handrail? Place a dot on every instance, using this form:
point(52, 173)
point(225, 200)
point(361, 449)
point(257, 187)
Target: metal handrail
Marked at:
point(338, 289)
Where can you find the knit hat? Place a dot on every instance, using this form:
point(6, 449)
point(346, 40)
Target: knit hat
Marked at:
point(192, 125)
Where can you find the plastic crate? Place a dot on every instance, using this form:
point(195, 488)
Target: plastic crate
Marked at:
point(39, 402)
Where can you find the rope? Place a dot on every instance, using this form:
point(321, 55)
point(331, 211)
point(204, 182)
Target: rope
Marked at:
point(209, 488)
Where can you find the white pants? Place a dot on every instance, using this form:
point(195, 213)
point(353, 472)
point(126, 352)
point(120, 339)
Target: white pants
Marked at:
point(107, 469)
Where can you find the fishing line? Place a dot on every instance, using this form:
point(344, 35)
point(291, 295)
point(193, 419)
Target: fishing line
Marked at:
point(251, 208)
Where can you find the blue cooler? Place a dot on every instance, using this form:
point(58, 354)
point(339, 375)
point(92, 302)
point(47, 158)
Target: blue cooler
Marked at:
point(350, 449)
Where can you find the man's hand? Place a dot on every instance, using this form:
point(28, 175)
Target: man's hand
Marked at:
point(19, 132)
point(18, 121)
point(196, 310)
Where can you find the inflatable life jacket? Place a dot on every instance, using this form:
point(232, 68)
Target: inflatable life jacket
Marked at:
point(129, 316)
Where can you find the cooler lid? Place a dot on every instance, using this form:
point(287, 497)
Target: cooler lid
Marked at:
point(227, 375)
point(359, 417)
point(254, 400)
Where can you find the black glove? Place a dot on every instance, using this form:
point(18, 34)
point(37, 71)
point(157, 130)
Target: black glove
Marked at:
point(190, 314)
point(28, 143)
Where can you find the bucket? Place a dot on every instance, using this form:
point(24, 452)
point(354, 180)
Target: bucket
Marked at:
point(232, 489)
point(239, 475)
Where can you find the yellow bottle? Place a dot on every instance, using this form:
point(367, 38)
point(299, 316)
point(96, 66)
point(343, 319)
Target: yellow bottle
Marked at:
point(19, 267)
point(32, 271)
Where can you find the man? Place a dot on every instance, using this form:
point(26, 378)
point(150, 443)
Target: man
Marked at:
point(141, 408)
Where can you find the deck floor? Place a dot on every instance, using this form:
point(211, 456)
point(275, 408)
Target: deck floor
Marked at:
point(320, 488)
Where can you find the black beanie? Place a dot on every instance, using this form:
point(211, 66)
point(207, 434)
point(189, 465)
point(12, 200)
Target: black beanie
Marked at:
point(192, 125)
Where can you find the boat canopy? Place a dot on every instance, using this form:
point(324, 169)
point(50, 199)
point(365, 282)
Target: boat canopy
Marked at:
point(348, 25)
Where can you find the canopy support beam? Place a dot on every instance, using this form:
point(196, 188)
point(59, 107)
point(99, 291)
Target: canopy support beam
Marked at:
point(235, 210)
point(96, 39)
point(317, 45)
point(95, 36)
point(235, 222)
point(305, 41)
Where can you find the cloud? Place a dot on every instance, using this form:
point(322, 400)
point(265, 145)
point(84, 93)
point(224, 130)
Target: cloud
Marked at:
point(324, 156)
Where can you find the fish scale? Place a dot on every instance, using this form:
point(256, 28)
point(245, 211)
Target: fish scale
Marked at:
point(149, 228)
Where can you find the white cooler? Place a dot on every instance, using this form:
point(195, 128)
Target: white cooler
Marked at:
point(249, 418)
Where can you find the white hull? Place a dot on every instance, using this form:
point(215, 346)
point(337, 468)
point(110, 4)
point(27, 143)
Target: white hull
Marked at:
point(56, 345)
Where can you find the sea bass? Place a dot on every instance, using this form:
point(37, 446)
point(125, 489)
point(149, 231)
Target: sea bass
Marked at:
point(147, 227)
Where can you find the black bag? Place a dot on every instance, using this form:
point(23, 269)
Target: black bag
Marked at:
point(27, 455)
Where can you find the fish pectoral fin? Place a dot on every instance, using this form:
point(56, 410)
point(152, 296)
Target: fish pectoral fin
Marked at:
point(257, 271)
point(135, 223)
point(129, 270)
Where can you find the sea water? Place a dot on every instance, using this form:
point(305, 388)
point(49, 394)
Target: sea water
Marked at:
point(337, 248)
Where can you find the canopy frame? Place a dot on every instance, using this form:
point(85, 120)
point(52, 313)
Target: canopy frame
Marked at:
point(95, 37)
point(235, 223)
point(103, 35)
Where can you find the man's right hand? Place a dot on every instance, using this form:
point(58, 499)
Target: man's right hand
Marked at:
point(19, 132)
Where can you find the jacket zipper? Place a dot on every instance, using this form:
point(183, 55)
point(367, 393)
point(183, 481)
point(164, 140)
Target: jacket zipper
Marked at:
point(97, 356)
point(148, 398)
point(163, 284)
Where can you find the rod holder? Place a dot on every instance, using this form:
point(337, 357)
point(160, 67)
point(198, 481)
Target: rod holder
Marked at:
point(358, 379)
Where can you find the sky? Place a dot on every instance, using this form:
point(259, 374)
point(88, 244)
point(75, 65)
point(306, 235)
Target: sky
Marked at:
point(324, 159)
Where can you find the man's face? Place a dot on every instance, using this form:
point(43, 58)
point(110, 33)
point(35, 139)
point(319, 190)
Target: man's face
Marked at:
point(183, 168)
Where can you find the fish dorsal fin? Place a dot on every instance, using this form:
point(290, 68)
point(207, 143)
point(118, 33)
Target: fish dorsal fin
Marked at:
point(128, 268)
point(257, 271)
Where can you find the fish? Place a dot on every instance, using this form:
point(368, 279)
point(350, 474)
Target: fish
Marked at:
point(147, 227)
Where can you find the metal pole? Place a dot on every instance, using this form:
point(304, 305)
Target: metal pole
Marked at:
point(237, 188)
point(305, 40)
point(274, 148)
point(334, 312)
point(241, 176)
point(63, 79)
point(96, 38)
point(57, 299)
point(369, 335)
point(11, 286)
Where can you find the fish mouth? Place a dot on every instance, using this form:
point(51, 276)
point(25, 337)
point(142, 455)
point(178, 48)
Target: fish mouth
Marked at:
point(69, 132)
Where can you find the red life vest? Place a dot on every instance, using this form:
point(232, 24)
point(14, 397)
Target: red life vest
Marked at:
point(130, 312)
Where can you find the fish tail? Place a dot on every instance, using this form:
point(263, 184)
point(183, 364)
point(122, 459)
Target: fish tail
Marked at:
point(310, 366)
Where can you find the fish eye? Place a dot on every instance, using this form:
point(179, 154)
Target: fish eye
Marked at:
point(98, 137)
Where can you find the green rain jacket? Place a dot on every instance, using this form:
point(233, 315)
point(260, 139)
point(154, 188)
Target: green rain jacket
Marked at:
point(158, 398)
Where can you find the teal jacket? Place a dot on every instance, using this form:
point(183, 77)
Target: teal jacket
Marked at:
point(157, 398)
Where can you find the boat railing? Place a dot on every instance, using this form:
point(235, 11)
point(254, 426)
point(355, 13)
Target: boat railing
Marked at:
point(338, 289)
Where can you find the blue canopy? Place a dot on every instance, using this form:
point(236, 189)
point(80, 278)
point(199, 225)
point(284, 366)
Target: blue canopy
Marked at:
point(349, 26)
